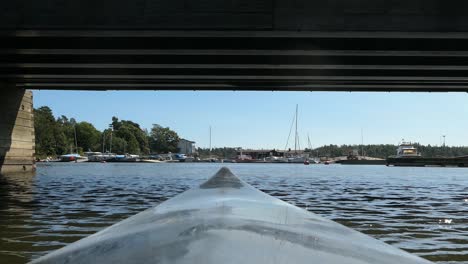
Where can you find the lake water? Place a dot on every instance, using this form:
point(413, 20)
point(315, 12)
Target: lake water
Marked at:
point(421, 210)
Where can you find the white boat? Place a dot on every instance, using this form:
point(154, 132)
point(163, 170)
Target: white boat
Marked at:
point(295, 157)
point(100, 157)
point(407, 150)
point(298, 159)
point(225, 220)
point(315, 160)
point(72, 157)
point(275, 159)
point(151, 161)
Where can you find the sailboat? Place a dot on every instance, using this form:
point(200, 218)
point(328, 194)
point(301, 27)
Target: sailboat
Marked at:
point(72, 156)
point(309, 160)
point(296, 157)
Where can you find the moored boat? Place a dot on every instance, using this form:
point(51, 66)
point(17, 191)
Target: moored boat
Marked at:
point(243, 158)
point(99, 157)
point(297, 159)
point(125, 158)
point(225, 220)
point(407, 150)
point(72, 157)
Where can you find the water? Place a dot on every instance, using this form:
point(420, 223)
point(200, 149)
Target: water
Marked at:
point(421, 210)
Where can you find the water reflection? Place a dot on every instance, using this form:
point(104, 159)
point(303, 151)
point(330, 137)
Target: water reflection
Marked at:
point(16, 209)
point(422, 210)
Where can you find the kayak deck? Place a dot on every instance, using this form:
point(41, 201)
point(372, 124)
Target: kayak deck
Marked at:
point(225, 220)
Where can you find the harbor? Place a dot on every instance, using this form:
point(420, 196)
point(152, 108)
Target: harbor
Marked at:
point(125, 141)
point(406, 155)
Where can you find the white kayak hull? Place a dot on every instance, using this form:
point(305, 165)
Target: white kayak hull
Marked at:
point(225, 220)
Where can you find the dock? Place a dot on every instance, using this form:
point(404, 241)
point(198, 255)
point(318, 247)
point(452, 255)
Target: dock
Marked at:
point(429, 162)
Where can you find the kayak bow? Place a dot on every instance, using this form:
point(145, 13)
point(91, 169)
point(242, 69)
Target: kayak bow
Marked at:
point(225, 220)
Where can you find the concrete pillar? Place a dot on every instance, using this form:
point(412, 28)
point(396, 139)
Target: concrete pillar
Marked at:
point(17, 141)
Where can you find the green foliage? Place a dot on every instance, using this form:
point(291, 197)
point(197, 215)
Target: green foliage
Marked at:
point(119, 145)
point(384, 151)
point(163, 140)
point(64, 135)
point(378, 151)
point(135, 139)
point(44, 125)
point(442, 151)
point(225, 153)
point(88, 137)
point(57, 137)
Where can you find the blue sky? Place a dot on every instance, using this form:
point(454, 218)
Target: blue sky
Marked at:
point(263, 119)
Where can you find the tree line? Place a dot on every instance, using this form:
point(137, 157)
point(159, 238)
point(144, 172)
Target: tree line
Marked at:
point(376, 150)
point(386, 150)
point(58, 136)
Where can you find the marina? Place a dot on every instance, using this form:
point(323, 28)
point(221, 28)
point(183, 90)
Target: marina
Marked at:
point(407, 155)
point(265, 156)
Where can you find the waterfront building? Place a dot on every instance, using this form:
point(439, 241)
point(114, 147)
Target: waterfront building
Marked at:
point(186, 147)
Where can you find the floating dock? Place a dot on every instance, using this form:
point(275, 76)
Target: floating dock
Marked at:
point(429, 162)
point(362, 162)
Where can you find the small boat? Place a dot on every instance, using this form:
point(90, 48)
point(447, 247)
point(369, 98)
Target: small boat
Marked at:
point(297, 159)
point(306, 162)
point(99, 157)
point(225, 220)
point(72, 157)
point(151, 161)
point(243, 158)
point(124, 158)
point(179, 157)
point(274, 159)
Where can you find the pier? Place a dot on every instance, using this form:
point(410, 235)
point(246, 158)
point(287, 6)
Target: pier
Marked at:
point(429, 162)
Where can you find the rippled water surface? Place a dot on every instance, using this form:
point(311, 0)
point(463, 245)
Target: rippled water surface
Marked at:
point(421, 210)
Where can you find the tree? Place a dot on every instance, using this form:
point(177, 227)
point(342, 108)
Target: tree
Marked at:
point(44, 125)
point(136, 140)
point(88, 137)
point(225, 152)
point(118, 145)
point(163, 140)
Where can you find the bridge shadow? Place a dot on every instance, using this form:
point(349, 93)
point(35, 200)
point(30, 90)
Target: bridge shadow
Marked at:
point(10, 106)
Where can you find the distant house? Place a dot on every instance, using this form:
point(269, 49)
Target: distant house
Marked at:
point(186, 147)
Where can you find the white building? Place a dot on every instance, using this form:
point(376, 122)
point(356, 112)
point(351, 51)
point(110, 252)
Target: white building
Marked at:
point(186, 147)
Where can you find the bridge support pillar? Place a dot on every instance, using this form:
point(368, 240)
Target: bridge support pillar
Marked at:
point(17, 141)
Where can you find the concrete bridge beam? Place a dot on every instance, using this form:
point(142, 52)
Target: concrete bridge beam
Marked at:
point(17, 140)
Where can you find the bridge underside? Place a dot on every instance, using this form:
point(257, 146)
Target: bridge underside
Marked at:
point(303, 45)
point(234, 60)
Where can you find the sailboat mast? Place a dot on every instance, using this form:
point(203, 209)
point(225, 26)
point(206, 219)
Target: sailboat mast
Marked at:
point(362, 143)
point(210, 141)
point(76, 141)
point(295, 138)
point(104, 141)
